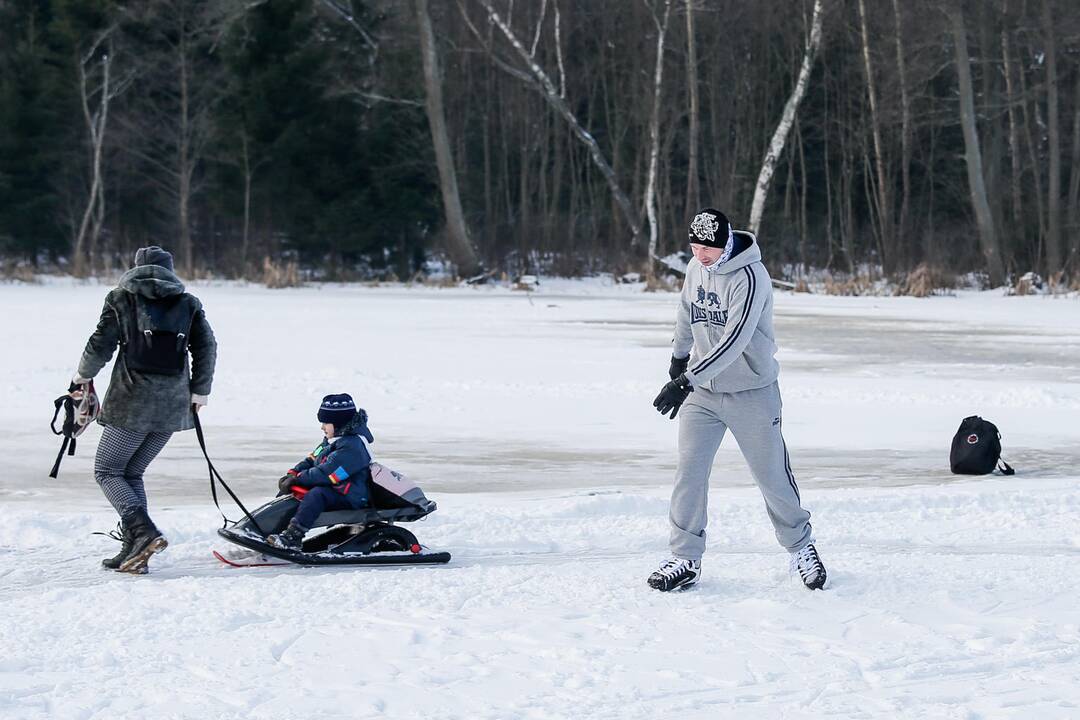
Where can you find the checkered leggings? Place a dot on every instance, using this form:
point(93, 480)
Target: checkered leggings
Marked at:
point(121, 459)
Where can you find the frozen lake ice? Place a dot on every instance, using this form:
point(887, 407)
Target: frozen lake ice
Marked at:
point(487, 390)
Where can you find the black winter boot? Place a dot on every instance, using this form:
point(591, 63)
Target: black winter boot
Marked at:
point(121, 534)
point(291, 538)
point(146, 540)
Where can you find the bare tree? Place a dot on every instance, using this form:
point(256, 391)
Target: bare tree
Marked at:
point(1033, 158)
point(96, 120)
point(973, 154)
point(776, 145)
point(460, 246)
point(654, 134)
point(171, 125)
point(566, 153)
point(1014, 143)
point(247, 168)
point(1053, 137)
point(693, 195)
point(883, 196)
point(1073, 256)
point(537, 79)
point(905, 131)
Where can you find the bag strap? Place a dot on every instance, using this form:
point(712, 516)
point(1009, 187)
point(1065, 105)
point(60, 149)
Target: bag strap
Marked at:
point(193, 310)
point(183, 339)
point(68, 446)
point(215, 477)
point(64, 401)
point(1005, 468)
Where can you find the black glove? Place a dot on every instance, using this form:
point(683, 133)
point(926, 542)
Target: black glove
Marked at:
point(285, 483)
point(678, 366)
point(672, 396)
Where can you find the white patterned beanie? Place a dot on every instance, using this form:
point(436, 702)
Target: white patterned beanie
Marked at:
point(711, 227)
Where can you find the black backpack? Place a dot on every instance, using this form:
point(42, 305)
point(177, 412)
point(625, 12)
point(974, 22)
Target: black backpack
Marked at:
point(156, 336)
point(976, 448)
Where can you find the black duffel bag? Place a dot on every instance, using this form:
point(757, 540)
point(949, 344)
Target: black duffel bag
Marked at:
point(976, 448)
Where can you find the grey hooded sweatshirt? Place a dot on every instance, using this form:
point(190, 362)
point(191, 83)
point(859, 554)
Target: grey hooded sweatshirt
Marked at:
point(145, 402)
point(725, 323)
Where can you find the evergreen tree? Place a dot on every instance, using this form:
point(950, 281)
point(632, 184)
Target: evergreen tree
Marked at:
point(325, 170)
point(35, 101)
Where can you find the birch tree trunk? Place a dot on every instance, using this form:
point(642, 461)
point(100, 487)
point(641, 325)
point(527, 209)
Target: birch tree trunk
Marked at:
point(776, 145)
point(987, 235)
point(459, 245)
point(654, 139)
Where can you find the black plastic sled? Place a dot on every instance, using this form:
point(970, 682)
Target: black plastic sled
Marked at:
point(367, 536)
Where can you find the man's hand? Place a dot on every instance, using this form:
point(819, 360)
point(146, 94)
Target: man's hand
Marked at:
point(678, 366)
point(672, 396)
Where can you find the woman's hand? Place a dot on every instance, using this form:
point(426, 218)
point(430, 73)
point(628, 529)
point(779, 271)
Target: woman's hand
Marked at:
point(76, 391)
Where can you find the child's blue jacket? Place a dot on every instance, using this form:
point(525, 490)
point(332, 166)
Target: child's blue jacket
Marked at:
point(341, 465)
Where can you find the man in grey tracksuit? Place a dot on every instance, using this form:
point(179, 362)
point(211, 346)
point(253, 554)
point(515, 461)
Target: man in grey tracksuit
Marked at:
point(724, 376)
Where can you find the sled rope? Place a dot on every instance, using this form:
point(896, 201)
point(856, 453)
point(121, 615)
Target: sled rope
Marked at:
point(215, 478)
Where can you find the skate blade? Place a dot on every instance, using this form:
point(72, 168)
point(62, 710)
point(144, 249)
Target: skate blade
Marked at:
point(821, 583)
point(137, 564)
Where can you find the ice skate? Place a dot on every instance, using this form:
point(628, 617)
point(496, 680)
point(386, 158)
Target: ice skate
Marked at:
point(675, 573)
point(807, 564)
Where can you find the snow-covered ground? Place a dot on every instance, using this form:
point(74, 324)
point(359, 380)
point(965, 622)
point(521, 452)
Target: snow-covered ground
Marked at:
point(528, 418)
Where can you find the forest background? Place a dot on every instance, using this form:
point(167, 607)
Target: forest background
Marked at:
point(284, 140)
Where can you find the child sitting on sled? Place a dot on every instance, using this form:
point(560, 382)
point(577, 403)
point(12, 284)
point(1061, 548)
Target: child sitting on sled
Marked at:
point(334, 475)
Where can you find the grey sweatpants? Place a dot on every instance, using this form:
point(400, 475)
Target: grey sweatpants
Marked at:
point(754, 419)
point(122, 458)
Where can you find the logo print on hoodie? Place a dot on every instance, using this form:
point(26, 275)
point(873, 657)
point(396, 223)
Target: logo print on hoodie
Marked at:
point(700, 310)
